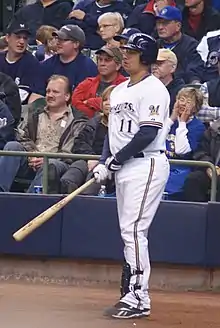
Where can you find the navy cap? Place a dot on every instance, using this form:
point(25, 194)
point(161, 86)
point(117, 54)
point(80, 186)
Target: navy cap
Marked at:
point(126, 33)
point(170, 13)
point(16, 28)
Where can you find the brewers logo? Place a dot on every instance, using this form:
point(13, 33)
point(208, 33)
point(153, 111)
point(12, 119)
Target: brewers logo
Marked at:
point(154, 110)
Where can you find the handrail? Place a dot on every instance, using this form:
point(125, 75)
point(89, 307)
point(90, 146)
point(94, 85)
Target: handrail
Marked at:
point(46, 156)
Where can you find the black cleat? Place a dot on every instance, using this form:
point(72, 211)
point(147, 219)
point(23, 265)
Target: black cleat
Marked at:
point(125, 311)
point(111, 310)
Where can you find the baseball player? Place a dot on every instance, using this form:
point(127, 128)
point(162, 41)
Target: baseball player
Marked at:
point(135, 151)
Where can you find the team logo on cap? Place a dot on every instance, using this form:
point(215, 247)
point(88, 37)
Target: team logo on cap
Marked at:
point(21, 25)
point(164, 11)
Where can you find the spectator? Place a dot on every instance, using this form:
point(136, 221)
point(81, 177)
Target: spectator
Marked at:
point(90, 142)
point(69, 61)
point(47, 44)
point(3, 44)
point(198, 183)
point(143, 15)
point(18, 63)
point(10, 95)
point(110, 24)
point(208, 49)
point(190, 65)
point(7, 132)
point(87, 96)
point(43, 12)
point(50, 128)
point(185, 133)
point(86, 14)
point(199, 18)
point(164, 70)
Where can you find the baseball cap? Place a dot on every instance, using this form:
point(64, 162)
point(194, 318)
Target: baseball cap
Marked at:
point(72, 33)
point(170, 13)
point(126, 33)
point(16, 27)
point(167, 54)
point(113, 52)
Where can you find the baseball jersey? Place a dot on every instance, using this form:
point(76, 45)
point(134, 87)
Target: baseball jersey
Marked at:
point(145, 103)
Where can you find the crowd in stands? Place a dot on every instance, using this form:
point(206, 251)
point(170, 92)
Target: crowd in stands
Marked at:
point(59, 62)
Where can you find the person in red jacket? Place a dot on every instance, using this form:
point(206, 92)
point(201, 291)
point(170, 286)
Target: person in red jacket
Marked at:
point(87, 95)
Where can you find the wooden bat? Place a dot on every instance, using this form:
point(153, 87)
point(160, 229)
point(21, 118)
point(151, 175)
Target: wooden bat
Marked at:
point(47, 214)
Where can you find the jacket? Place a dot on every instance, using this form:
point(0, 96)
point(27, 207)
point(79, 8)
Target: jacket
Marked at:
point(35, 15)
point(209, 147)
point(210, 21)
point(12, 98)
point(143, 17)
point(214, 92)
point(28, 136)
point(190, 65)
point(194, 130)
point(86, 90)
point(92, 12)
point(7, 132)
point(84, 142)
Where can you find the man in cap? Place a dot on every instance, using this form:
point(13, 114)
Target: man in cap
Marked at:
point(87, 96)
point(164, 69)
point(43, 12)
point(190, 65)
point(18, 63)
point(69, 61)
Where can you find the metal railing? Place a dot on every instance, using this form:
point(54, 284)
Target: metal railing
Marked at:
point(47, 156)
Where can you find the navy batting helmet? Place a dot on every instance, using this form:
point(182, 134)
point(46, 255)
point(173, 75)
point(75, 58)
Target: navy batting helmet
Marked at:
point(146, 45)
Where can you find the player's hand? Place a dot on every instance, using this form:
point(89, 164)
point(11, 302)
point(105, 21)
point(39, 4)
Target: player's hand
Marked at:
point(112, 164)
point(100, 173)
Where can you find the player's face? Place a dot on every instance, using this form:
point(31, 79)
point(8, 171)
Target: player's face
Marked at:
point(17, 42)
point(131, 60)
point(167, 29)
point(106, 65)
point(162, 69)
point(56, 94)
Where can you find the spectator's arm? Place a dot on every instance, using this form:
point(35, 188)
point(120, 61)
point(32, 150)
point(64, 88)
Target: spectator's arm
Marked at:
point(83, 142)
point(182, 145)
point(79, 101)
point(7, 132)
point(195, 68)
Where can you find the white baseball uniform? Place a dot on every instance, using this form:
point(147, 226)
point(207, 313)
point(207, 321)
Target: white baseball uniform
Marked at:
point(141, 181)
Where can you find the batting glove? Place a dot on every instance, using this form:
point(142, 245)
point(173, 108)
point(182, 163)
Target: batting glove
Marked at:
point(100, 173)
point(112, 164)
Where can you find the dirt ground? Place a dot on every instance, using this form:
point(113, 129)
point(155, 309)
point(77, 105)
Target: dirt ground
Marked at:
point(43, 306)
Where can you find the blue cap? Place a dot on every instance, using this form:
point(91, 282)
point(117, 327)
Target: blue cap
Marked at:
point(170, 13)
point(126, 33)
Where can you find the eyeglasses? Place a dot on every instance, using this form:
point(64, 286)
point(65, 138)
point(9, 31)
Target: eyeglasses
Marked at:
point(105, 26)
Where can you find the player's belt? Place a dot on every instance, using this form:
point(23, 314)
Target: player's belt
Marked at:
point(141, 155)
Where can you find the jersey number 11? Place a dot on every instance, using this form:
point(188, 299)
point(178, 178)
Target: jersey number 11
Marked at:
point(125, 126)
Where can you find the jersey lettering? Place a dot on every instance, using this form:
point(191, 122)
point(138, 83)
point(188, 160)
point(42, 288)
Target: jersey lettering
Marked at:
point(125, 126)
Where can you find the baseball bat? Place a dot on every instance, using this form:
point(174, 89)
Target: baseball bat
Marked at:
point(27, 229)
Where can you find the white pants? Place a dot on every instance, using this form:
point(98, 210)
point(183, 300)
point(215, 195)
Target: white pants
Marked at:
point(139, 188)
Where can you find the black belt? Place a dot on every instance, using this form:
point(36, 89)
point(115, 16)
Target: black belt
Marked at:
point(141, 155)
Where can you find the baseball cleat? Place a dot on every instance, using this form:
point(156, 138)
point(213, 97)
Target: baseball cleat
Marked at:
point(126, 311)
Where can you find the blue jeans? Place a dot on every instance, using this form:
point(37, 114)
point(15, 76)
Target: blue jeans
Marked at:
point(17, 166)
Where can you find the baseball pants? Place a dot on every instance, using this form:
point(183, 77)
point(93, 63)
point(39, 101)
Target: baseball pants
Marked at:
point(139, 188)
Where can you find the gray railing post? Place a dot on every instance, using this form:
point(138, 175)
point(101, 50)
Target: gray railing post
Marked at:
point(45, 174)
